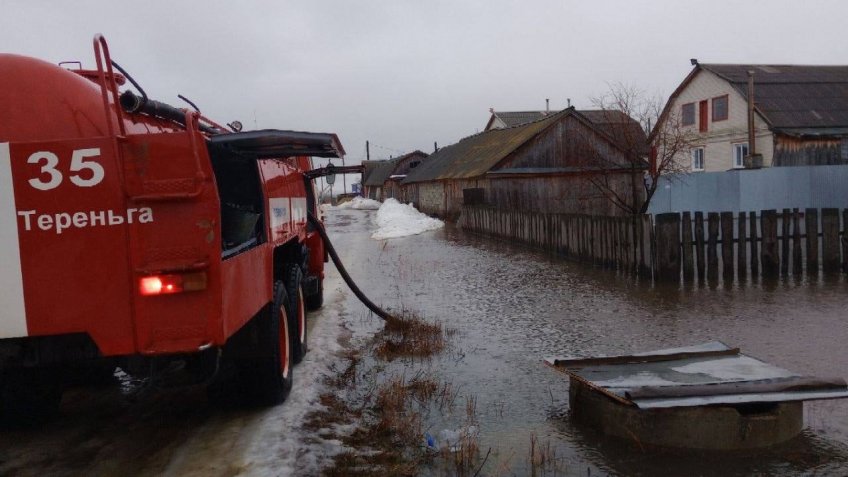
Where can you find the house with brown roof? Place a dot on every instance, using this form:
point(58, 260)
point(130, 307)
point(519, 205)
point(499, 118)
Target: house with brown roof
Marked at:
point(546, 165)
point(798, 116)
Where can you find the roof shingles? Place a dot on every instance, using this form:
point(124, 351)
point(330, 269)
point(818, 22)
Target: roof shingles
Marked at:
point(476, 155)
point(792, 96)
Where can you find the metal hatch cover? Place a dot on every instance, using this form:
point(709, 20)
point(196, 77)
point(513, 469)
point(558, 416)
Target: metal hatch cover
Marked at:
point(701, 375)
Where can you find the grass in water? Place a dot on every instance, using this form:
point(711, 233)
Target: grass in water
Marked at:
point(409, 336)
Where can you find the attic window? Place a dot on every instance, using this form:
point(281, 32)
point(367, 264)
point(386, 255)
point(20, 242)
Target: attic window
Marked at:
point(720, 108)
point(414, 164)
point(687, 114)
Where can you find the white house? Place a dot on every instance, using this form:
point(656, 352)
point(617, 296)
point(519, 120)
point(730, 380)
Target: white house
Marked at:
point(800, 115)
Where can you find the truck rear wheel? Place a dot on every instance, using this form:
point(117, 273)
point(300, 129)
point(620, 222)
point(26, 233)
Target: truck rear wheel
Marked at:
point(268, 380)
point(296, 312)
point(316, 300)
point(29, 396)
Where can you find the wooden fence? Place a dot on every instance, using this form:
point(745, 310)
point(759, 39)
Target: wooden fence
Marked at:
point(613, 242)
point(683, 246)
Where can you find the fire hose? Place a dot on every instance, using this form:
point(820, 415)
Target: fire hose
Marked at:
point(343, 272)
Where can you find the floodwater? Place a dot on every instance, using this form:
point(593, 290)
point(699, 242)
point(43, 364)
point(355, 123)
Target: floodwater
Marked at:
point(511, 307)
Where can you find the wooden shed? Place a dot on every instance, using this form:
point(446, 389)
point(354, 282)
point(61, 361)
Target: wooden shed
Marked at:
point(382, 179)
point(546, 165)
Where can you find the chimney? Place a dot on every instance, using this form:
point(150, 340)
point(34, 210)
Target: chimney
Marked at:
point(492, 110)
point(569, 101)
point(547, 105)
point(694, 61)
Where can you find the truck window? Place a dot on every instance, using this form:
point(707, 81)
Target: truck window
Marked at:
point(242, 207)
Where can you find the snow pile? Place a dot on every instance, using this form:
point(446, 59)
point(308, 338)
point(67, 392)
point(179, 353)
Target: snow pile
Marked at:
point(400, 220)
point(360, 203)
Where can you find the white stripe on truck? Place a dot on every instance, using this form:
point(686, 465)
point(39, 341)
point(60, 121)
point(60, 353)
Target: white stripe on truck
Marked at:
point(12, 312)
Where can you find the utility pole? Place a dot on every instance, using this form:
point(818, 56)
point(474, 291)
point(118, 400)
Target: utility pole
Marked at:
point(367, 151)
point(752, 140)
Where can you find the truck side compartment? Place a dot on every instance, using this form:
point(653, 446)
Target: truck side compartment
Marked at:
point(136, 234)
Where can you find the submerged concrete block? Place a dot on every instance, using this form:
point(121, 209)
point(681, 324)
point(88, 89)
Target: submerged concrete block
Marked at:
point(722, 427)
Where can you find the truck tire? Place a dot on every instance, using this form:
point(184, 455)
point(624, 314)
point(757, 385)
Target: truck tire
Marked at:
point(316, 300)
point(29, 396)
point(267, 380)
point(296, 311)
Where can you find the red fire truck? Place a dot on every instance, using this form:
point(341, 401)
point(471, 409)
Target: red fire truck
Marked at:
point(139, 235)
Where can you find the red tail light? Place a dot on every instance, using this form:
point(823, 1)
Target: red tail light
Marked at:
point(171, 283)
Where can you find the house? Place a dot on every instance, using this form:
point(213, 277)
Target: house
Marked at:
point(381, 179)
point(799, 116)
point(370, 191)
point(551, 164)
point(508, 119)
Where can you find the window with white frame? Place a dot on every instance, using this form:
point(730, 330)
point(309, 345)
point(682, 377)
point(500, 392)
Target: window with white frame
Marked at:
point(739, 153)
point(698, 159)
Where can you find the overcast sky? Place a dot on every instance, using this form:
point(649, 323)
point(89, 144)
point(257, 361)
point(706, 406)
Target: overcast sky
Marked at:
point(405, 74)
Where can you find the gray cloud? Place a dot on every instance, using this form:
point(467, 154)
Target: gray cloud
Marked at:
point(406, 74)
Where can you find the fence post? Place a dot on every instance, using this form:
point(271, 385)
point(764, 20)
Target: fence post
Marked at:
point(712, 242)
point(796, 242)
point(699, 245)
point(646, 246)
point(755, 256)
point(586, 241)
point(742, 246)
point(612, 227)
point(668, 247)
point(604, 252)
point(582, 236)
point(769, 257)
point(845, 240)
point(616, 252)
point(811, 231)
point(784, 242)
point(727, 244)
point(688, 267)
point(596, 240)
point(830, 239)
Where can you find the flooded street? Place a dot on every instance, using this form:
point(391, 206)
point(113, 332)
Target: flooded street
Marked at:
point(512, 307)
point(509, 307)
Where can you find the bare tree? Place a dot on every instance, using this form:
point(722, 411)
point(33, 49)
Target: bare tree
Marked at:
point(628, 115)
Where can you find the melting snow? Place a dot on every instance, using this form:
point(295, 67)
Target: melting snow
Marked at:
point(360, 203)
point(400, 220)
point(739, 368)
point(642, 378)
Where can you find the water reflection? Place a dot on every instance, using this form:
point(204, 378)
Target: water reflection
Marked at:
point(513, 307)
point(804, 454)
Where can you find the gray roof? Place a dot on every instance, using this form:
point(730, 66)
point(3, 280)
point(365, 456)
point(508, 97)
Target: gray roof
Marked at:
point(618, 125)
point(475, 155)
point(368, 168)
point(792, 96)
point(380, 173)
point(517, 118)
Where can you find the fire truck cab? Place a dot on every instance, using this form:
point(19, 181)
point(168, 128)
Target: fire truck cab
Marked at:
point(143, 236)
